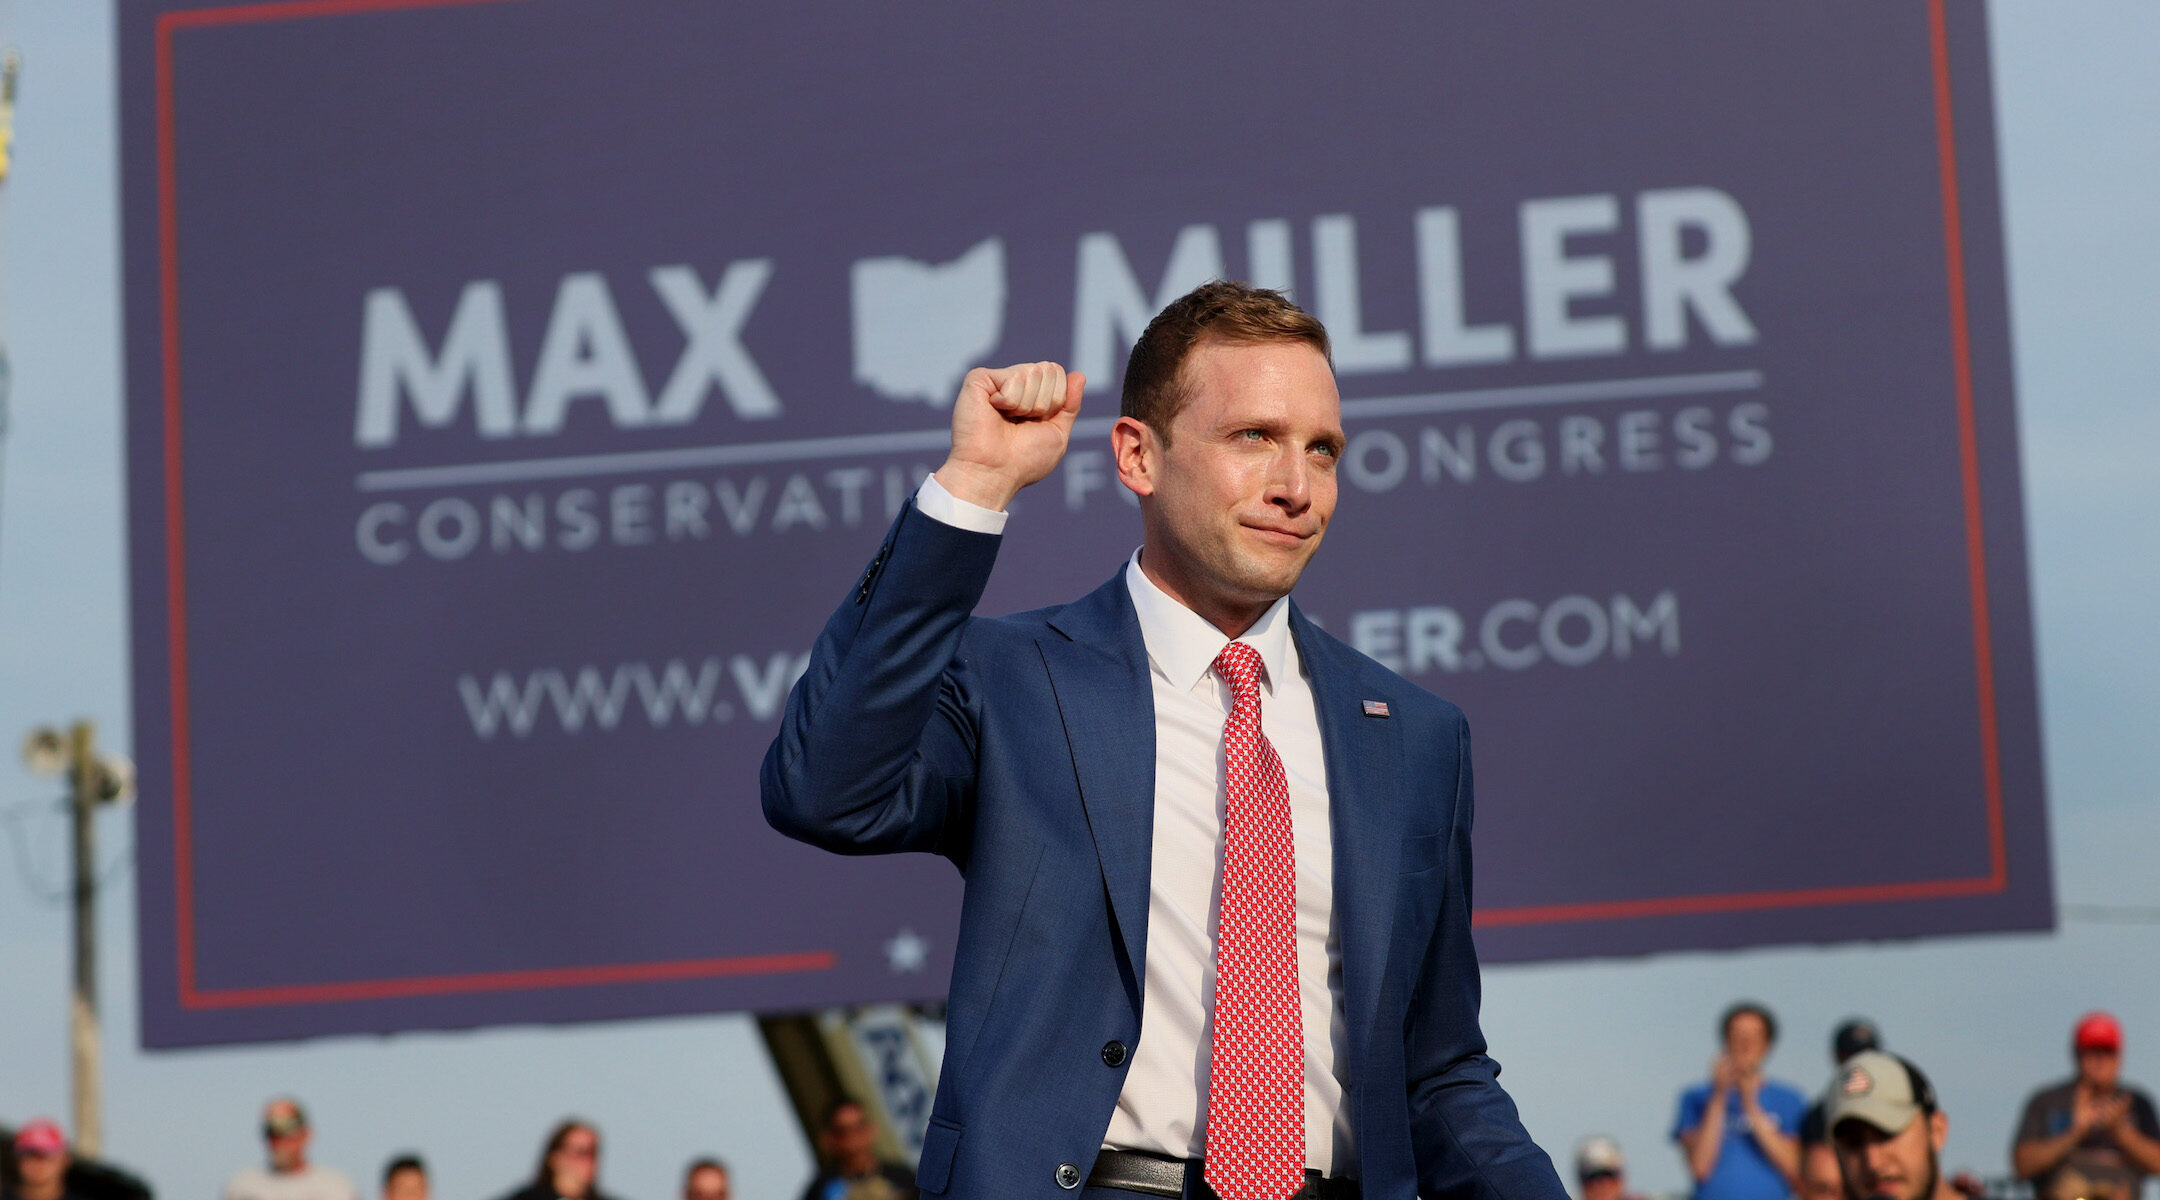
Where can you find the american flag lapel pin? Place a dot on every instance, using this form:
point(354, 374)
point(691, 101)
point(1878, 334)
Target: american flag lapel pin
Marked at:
point(1376, 708)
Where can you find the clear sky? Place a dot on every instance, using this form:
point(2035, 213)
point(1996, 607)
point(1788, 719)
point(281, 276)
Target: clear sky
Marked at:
point(1596, 1047)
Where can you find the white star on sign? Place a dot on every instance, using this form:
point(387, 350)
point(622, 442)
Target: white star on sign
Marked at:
point(907, 952)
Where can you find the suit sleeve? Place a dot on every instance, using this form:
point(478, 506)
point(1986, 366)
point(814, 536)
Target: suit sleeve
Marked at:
point(1468, 1138)
point(876, 749)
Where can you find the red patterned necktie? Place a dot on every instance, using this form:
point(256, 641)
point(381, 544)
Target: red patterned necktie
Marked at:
point(1256, 1067)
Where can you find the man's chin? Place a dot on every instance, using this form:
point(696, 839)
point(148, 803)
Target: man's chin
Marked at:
point(1269, 584)
point(1277, 569)
point(1903, 1189)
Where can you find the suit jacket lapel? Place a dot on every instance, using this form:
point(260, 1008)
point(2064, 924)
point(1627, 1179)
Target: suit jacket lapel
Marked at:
point(1098, 666)
point(1099, 674)
point(1364, 757)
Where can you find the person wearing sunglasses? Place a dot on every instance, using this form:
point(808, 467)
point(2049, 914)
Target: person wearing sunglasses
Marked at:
point(288, 1175)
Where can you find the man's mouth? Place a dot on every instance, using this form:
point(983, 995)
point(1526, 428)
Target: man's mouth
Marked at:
point(1279, 535)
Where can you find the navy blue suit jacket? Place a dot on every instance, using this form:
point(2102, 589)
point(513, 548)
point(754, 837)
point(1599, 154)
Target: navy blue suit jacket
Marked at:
point(1023, 749)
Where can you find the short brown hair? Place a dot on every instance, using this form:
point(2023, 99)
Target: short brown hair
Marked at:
point(1219, 310)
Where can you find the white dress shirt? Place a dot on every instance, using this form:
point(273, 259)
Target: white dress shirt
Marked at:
point(1163, 1109)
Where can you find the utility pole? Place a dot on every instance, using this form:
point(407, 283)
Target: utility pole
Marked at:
point(82, 1009)
point(93, 779)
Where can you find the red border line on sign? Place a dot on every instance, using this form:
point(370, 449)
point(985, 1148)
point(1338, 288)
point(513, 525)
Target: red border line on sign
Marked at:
point(505, 981)
point(1998, 877)
point(1968, 448)
point(192, 996)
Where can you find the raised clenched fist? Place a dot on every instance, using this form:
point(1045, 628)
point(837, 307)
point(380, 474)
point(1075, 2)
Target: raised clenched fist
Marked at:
point(1010, 426)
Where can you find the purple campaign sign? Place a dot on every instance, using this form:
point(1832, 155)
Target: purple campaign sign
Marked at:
point(515, 386)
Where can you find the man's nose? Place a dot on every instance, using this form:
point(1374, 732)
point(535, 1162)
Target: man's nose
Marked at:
point(1290, 481)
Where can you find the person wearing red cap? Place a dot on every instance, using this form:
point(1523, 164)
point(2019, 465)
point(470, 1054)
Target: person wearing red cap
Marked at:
point(2090, 1137)
point(41, 1163)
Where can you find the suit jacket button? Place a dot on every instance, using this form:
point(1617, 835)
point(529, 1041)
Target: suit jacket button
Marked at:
point(1068, 1176)
point(1113, 1054)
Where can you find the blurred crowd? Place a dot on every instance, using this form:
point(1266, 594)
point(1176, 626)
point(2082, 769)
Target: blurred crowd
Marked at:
point(41, 1166)
point(1875, 1132)
point(1877, 1129)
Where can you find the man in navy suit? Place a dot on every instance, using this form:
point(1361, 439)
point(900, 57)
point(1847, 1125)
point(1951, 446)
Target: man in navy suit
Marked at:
point(1176, 756)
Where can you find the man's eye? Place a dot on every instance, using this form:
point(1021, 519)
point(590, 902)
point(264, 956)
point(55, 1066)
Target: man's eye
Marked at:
point(1250, 435)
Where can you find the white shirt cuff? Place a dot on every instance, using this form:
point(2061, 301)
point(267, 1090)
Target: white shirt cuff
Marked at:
point(939, 504)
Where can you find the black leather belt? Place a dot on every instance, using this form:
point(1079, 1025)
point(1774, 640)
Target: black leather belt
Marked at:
point(1128, 1171)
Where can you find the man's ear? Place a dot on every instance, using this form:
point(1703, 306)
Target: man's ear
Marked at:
point(1938, 1130)
point(1138, 451)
